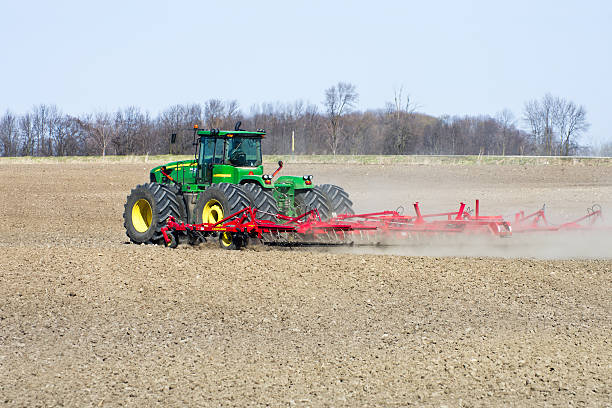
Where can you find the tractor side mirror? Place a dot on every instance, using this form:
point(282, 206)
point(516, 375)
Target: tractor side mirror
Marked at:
point(173, 138)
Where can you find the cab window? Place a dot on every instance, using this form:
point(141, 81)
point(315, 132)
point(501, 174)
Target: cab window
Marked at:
point(243, 152)
point(211, 150)
point(207, 149)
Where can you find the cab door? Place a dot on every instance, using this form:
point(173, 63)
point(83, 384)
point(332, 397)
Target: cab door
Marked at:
point(207, 151)
point(211, 153)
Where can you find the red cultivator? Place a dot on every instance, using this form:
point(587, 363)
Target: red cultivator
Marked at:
point(387, 227)
point(537, 222)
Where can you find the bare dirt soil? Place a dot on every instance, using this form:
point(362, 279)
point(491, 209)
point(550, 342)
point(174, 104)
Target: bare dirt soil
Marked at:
point(87, 319)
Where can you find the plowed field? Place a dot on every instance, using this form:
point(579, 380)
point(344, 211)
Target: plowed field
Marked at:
point(87, 319)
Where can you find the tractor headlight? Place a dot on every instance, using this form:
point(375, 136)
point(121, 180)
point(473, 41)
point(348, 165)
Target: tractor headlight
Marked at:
point(267, 178)
point(307, 179)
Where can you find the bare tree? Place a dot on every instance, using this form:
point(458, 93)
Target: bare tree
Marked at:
point(339, 100)
point(214, 112)
point(540, 116)
point(570, 121)
point(232, 113)
point(26, 131)
point(127, 127)
point(58, 135)
point(506, 121)
point(40, 119)
point(555, 115)
point(400, 137)
point(9, 136)
point(605, 150)
point(101, 130)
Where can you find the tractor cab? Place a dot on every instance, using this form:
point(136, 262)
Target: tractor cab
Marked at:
point(233, 149)
point(227, 156)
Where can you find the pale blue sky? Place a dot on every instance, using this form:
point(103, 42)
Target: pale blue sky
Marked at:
point(452, 57)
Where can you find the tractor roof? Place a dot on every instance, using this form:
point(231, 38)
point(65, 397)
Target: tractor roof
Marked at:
point(230, 133)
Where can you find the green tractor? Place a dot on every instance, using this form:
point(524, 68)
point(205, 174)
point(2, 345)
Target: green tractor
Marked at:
point(225, 176)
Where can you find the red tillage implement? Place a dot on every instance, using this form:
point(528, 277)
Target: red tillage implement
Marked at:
point(373, 228)
point(537, 222)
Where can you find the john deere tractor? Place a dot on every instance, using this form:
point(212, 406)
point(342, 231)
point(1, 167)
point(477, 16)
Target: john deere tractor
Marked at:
point(225, 176)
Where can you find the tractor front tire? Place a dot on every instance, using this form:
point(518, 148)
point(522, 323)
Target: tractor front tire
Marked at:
point(263, 200)
point(146, 210)
point(340, 201)
point(219, 201)
point(313, 198)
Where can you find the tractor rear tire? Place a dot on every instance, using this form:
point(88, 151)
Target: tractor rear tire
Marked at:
point(147, 208)
point(219, 201)
point(340, 201)
point(314, 198)
point(263, 200)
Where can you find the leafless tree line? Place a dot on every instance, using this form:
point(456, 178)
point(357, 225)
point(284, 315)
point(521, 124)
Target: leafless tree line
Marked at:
point(339, 128)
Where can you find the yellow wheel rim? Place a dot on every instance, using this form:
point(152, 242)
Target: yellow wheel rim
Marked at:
point(226, 239)
point(213, 212)
point(142, 215)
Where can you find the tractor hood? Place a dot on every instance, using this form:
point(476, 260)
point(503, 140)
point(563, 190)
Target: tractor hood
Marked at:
point(298, 183)
point(183, 171)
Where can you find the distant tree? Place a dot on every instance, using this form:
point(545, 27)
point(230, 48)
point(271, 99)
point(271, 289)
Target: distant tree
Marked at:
point(539, 115)
point(214, 112)
point(232, 114)
point(400, 135)
point(555, 116)
point(9, 135)
point(570, 122)
point(506, 122)
point(26, 132)
point(40, 121)
point(340, 99)
point(128, 125)
point(605, 150)
point(100, 130)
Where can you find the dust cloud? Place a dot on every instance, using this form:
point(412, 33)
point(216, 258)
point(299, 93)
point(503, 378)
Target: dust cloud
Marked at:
point(541, 245)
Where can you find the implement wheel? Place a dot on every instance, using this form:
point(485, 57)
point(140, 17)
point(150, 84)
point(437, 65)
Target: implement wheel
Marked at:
point(146, 210)
point(232, 240)
point(219, 201)
point(173, 240)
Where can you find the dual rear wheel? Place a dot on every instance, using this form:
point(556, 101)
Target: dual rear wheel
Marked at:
point(147, 209)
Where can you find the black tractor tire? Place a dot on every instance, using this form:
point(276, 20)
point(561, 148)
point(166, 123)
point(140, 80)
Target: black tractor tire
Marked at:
point(219, 201)
point(340, 201)
point(263, 200)
point(306, 200)
point(147, 209)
